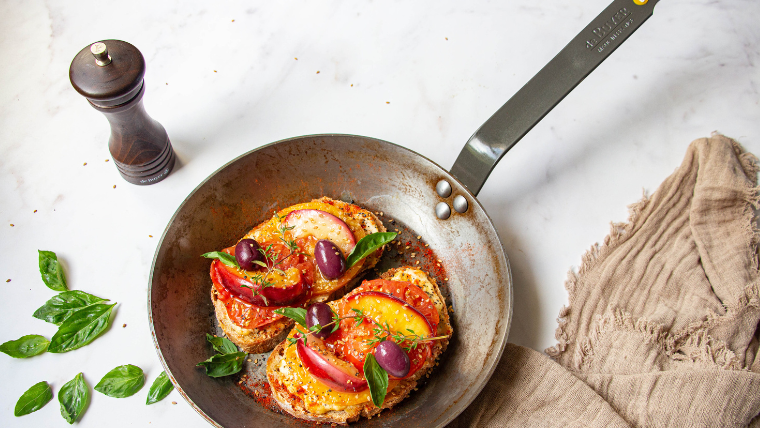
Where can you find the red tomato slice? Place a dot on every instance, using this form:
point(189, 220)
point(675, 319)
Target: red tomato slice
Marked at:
point(350, 342)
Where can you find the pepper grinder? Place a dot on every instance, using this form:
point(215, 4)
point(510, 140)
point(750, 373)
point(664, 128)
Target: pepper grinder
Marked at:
point(110, 75)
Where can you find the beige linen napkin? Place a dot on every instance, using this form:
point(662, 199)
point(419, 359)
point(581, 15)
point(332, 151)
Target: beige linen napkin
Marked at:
point(661, 329)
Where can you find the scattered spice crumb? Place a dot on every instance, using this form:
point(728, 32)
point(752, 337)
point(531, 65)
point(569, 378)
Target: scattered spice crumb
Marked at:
point(214, 71)
point(387, 102)
point(249, 360)
point(352, 85)
point(35, 210)
point(84, 164)
point(12, 225)
point(150, 236)
point(167, 83)
point(447, 38)
point(418, 262)
point(296, 58)
point(419, 237)
point(233, 20)
point(123, 326)
point(174, 402)
point(114, 186)
point(8, 280)
point(317, 71)
point(107, 159)
point(446, 279)
point(256, 361)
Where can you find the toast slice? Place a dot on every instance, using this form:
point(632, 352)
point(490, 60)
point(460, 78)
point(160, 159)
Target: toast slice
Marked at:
point(235, 315)
point(289, 392)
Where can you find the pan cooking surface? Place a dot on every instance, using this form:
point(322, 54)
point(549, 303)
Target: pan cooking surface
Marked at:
point(384, 178)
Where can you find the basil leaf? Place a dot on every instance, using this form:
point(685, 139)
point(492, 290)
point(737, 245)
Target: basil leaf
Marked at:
point(123, 381)
point(74, 397)
point(297, 314)
point(223, 257)
point(64, 304)
point(377, 378)
point(25, 347)
point(368, 245)
point(223, 364)
point(52, 272)
point(81, 328)
point(222, 344)
point(161, 387)
point(33, 399)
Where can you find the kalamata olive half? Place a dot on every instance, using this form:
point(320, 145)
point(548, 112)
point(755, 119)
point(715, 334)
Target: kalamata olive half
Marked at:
point(330, 260)
point(319, 313)
point(392, 359)
point(246, 252)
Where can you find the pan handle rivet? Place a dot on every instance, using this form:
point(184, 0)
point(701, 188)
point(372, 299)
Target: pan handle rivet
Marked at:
point(442, 210)
point(443, 188)
point(460, 204)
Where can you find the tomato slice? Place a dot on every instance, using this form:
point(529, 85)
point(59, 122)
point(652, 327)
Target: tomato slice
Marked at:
point(232, 286)
point(352, 342)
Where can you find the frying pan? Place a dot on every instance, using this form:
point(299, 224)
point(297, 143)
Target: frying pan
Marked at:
point(436, 213)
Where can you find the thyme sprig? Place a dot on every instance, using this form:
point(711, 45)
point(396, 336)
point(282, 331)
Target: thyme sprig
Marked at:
point(408, 341)
point(271, 261)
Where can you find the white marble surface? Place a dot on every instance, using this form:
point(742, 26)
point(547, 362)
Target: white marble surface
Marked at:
point(223, 79)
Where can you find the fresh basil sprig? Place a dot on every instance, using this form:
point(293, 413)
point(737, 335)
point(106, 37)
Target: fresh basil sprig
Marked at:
point(296, 314)
point(51, 270)
point(377, 379)
point(33, 399)
point(222, 344)
point(223, 364)
point(161, 387)
point(368, 245)
point(62, 305)
point(26, 346)
point(81, 328)
point(223, 257)
point(74, 397)
point(122, 381)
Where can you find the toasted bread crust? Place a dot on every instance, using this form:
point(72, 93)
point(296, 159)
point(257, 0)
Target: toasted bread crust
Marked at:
point(294, 405)
point(266, 337)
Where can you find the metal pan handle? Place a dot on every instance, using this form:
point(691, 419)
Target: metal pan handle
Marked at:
point(547, 88)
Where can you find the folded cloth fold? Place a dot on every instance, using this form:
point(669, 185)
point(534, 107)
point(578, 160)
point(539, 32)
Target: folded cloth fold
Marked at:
point(661, 329)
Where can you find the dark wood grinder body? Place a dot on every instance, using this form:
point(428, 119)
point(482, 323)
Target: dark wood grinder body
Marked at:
point(110, 75)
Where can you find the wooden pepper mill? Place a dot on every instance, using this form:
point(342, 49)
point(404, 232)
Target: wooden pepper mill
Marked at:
point(110, 75)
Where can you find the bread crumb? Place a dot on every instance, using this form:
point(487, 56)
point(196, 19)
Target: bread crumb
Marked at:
point(8, 280)
point(123, 326)
point(174, 402)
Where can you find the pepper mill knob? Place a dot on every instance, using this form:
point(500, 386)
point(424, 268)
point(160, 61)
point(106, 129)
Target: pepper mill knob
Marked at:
point(110, 75)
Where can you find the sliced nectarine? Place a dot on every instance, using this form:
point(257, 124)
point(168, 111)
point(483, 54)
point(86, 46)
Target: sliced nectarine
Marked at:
point(321, 225)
